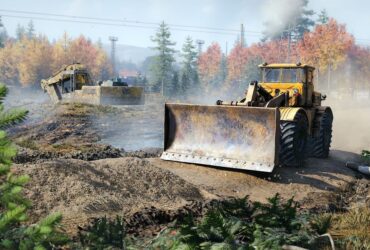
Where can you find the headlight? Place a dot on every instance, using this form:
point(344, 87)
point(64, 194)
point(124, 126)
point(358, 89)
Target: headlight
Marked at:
point(295, 91)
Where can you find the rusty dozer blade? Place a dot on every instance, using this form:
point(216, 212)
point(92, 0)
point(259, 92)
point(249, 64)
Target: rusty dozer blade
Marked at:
point(226, 136)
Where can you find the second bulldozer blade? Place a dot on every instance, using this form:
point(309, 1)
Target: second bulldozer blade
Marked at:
point(225, 136)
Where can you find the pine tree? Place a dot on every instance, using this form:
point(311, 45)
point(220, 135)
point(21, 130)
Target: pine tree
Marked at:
point(3, 34)
point(189, 74)
point(162, 68)
point(13, 206)
point(30, 30)
point(323, 17)
point(20, 32)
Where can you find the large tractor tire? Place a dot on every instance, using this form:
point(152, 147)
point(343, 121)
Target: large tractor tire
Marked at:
point(293, 140)
point(319, 145)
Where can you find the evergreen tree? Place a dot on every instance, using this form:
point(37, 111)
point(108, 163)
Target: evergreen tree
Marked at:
point(189, 74)
point(30, 30)
point(176, 89)
point(296, 27)
point(3, 34)
point(20, 32)
point(162, 68)
point(13, 206)
point(323, 17)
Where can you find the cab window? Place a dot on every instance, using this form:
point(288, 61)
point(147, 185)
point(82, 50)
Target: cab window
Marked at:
point(293, 75)
point(271, 75)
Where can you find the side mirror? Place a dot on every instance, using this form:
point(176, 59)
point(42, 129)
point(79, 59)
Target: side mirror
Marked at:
point(323, 97)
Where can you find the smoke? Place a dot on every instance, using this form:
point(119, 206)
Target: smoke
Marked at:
point(278, 14)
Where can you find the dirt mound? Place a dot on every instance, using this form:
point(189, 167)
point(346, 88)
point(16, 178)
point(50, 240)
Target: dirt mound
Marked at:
point(81, 189)
point(87, 152)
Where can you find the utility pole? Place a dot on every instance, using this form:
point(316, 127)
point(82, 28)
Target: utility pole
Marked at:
point(113, 40)
point(200, 45)
point(289, 42)
point(242, 36)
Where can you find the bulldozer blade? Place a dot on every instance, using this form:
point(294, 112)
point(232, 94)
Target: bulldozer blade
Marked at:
point(226, 136)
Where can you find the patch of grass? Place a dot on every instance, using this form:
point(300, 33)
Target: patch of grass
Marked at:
point(67, 147)
point(352, 229)
point(27, 143)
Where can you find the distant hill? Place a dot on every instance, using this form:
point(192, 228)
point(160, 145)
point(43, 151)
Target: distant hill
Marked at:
point(130, 53)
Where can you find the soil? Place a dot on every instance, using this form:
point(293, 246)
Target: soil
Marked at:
point(91, 161)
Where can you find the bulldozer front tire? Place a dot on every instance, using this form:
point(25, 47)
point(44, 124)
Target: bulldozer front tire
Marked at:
point(293, 140)
point(320, 145)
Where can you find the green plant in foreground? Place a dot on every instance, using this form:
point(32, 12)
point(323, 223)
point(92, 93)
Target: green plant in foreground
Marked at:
point(262, 226)
point(365, 154)
point(14, 234)
point(103, 233)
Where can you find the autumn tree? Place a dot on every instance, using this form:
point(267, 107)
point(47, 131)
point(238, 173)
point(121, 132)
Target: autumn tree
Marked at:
point(274, 51)
point(209, 64)
point(33, 60)
point(189, 75)
point(236, 65)
point(326, 47)
point(9, 57)
point(357, 68)
point(162, 68)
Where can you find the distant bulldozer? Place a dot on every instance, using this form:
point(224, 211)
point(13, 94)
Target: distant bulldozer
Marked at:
point(73, 83)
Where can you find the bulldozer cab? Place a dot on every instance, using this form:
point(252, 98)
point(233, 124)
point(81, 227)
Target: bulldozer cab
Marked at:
point(296, 79)
point(74, 80)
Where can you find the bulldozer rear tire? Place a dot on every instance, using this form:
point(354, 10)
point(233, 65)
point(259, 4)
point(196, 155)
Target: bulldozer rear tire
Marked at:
point(320, 145)
point(293, 140)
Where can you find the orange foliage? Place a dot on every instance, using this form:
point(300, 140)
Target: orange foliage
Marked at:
point(209, 64)
point(237, 62)
point(327, 45)
point(29, 60)
point(274, 51)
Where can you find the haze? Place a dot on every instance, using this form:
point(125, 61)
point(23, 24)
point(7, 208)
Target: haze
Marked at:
point(220, 14)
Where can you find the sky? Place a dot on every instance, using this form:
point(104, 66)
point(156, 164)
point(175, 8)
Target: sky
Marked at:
point(224, 17)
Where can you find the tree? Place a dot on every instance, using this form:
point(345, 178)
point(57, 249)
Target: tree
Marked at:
point(3, 34)
point(274, 51)
point(189, 74)
point(209, 65)
point(323, 17)
point(30, 30)
point(293, 22)
point(14, 234)
point(34, 60)
point(326, 47)
point(236, 66)
point(162, 69)
point(20, 32)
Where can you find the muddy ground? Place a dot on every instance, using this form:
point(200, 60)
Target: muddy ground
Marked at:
point(90, 161)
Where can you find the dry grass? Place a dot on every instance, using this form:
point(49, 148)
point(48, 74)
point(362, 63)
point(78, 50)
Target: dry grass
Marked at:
point(352, 229)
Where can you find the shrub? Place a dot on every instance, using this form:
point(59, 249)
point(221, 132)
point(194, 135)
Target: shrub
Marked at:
point(14, 234)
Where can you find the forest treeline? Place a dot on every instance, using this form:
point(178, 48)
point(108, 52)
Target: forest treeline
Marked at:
point(324, 43)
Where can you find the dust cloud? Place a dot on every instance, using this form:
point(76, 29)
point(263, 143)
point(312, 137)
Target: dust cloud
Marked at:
point(351, 130)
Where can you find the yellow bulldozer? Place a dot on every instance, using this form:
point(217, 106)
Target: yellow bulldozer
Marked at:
point(279, 122)
point(73, 83)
